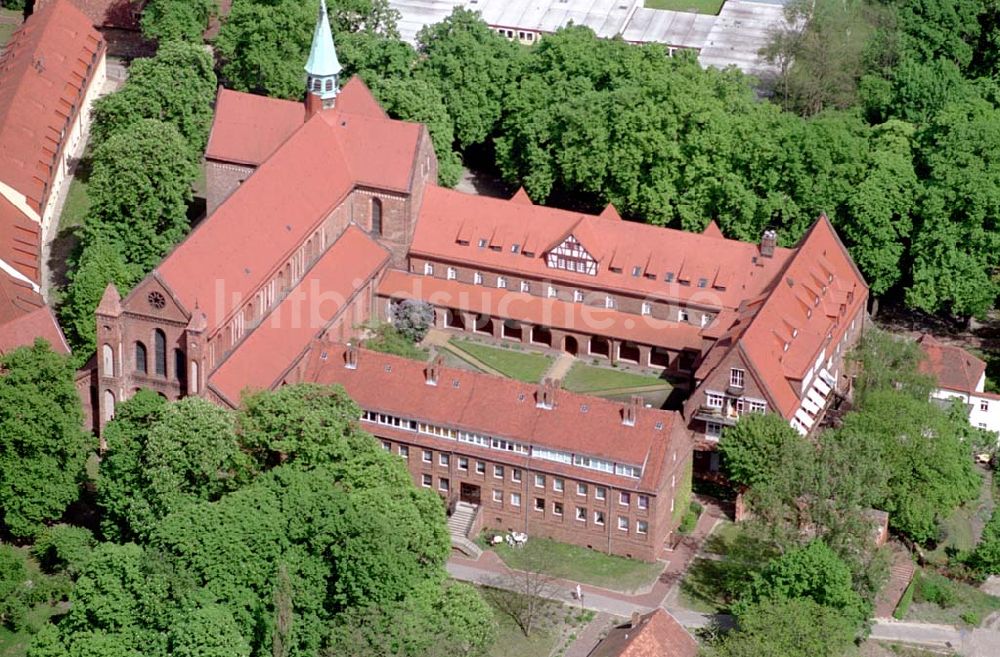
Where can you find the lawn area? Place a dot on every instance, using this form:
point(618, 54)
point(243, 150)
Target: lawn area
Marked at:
point(513, 363)
point(587, 378)
point(701, 588)
point(557, 627)
point(938, 599)
point(711, 7)
point(961, 528)
point(580, 564)
point(77, 199)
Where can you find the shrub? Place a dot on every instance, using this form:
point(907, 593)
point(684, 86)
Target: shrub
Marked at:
point(63, 548)
point(412, 319)
point(388, 340)
point(971, 617)
point(935, 589)
point(688, 522)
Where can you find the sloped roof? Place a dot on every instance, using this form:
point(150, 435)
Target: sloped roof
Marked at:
point(24, 317)
point(266, 354)
point(20, 240)
point(541, 310)
point(494, 405)
point(656, 634)
point(248, 128)
point(44, 72)
point(735, 266)
point(953, 367)
point(803, 314)
point(113, 13)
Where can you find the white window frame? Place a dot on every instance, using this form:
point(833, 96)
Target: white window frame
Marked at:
point(599, 517)
point(642, 501)
point(641, 527)
point(444, 484)
point(581, 489)
point(600, 493)
point(404, 451)
point(647, 308)
point(444, 460)
point(609, 302)
point(556, 510)
point(477, 278)
point(426, 480)
point(502, 282)
point(540, 481)
point(737, 377)
point(451, 274)
point(577, 296)
point(515, 499)
point(498, 472)
point(551, 293)
point(624, 499)
point(498, 495)
point(623, 523)
point(558, 484)
point(581, 511)
point(427, 456)
point(525, 287)
point(428, 269)
point(515, 475)
point(682, 315)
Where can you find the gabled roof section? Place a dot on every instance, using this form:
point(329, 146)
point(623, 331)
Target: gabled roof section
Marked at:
point(24, 317)
point(713, 230)
point(263, 357)
point(357, 98)
point(495, 406)
point(248, 128)
point(814, 299)
point(656, 634)
point(521, 197)
point(379, 152)
point(20, 240)
point(610, 212)
point(45, 70)
point(663, 253)
point(953, 367)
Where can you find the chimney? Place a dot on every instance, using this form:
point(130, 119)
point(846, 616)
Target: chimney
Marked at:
point(635, 619)
point(433, 371)
point(314, 104)
point(351, 357)
point(631, 410)
point(546, 395)
point(767, 243)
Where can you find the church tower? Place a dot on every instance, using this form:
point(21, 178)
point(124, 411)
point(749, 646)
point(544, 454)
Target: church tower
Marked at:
point(323, 67)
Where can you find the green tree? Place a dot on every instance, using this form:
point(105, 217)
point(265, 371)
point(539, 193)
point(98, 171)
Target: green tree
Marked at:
point(100, 263)
point(208, 631)
point(471, 65)
point(814, 571)
point(43, 448)
point(63, 548)
point(13, 590)
point(170, 20)
point(794, 627)
point(888, 362)
point(176, 86)
point(757, 450)
point(411, 99)
point(139, 191)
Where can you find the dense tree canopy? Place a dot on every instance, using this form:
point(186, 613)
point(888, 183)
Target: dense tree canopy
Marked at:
point(43, 447)
point(169, 20)
point(791, 627)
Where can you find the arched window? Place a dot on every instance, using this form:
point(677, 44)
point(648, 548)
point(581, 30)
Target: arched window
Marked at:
point(194, 378)
point(180, 368)
point(140, 358)
point(316, 84)
point(109, 360)
point(109, 405)
point(376, 216)
point(329, 85)
point(160, 352)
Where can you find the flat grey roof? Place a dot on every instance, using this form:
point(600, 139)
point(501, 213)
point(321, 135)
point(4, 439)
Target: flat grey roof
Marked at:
point(674, 28)
point(606, 18)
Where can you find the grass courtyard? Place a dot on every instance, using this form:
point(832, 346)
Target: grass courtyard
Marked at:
point(710, 7)
point(10, 20)
point(588, 378)
point(558, 627)
point(513, 363)
point(580, 564)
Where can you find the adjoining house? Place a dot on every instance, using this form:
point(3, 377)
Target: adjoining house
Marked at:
point(325, 214)
point(656, 634)
point(50, 72)
point(960, 375)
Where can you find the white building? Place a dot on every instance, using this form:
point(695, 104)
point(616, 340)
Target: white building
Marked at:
point(960, 375)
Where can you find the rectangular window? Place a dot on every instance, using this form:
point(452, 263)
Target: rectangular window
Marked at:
point(581, 514)
point(480, 467)
point(673, 481)
point(498, 471)
point(552, 292)
point(443, 484)
point(477, 278)
point(428, 456)
point(624, 498)
point(539, 481)
point(599, 518)
point(682, 315)
point(600, 492)
point(525, 286)
point(984, 405)
point(501, 282)
point(515, 475)
point(623, 523)
point(444, 459)
point(463, 463)
point(641, 526)
point(515, 499)
point(404, 451)
point(578, 296)
point(386, 446)
point(609, 302)
point(736, 377)
point(581, 489)
point(482, 243)
point(713, 429)
point(643, 502)
point(428, 269)
point(647, 308)
point(497, 495)
point(558, 485)
point(557, 508)
point(452, 274)
point(713, 400)
point(539, 504)
point(758, 407)
point(426, 480)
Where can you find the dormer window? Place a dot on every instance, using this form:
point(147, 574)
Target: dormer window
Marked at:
point(496, 248)
point(669, 277)
point(702, 282)
point(571, 256)
point(463, 242)
point(615, 270)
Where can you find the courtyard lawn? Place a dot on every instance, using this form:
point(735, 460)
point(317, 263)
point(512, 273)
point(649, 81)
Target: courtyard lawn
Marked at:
point(580, 564)
point(710, 7)
point(588, 378)
point(701, 588)
point(557, 627)
point(513, 363)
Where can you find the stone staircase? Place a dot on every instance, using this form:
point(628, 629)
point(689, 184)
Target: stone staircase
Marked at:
point(458, 527)
point(900, 575)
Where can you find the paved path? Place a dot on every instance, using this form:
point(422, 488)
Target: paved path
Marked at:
point(442, 341)
point(560, 368)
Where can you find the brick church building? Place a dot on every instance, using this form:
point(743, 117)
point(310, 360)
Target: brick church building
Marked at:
point(324, 213)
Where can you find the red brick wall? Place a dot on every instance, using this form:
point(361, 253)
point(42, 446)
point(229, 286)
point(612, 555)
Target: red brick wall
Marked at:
point(221, 180)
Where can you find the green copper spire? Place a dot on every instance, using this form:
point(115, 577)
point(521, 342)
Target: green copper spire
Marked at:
point(323, 67)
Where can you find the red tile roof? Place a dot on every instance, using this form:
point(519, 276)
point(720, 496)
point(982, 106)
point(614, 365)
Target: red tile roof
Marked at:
point(24, 317)
point(248, 128)
point(263, 357)
point(544, 311)
point(953, 367)
point(246, 240)
point(732, 270)
point(807, 312)
point(20, 240)
point(657, 634)
point(496, 406)
point(44, 73)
